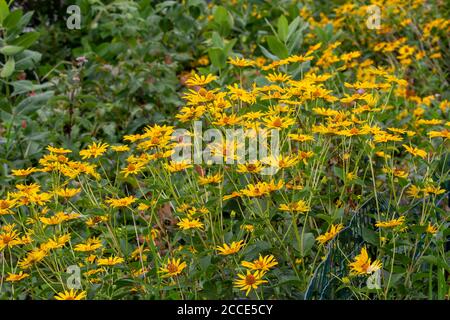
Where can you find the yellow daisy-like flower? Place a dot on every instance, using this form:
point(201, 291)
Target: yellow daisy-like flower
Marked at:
point(23, 172)
point(391, 223)
point(415, 151)
point(217, 178)
point(431, 229)
point(262, 263)
point(249, 281)
point(277, 122)
point(94, 150)
point(58, 150)
point(278, 77)
point(67, 192)
point(90, 245)
point(6, 206)
point(240, 62)
point(177, 166)
point(133, 168)
point(362, 264)
point(230, 249)
point(172, 268)
point(16, 277)
point(299, 206)
point(122, 202)
point(71, 295)
point(120, 148)
point(110, 261)
point(330, 234)
point(254, 167)
point(200, 80)
point(186, 224)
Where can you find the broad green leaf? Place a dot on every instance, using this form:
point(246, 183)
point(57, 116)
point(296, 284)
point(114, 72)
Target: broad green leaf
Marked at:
point(26, 40)
point(4, 10)
point(293, 27)
point(283, 28)
point(8, 68)
point(277, 48)
point(33, 103)
point(13, 19)
point(217, 57)
point(11, 50)
point(223, 20)
point(370, 236)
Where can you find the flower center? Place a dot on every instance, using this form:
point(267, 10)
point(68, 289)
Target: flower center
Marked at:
point(250, 279)
point(172, 268)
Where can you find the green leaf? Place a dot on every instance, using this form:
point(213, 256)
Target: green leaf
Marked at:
point(267, 54)
point(217, 57)
point(4, 10)
point(307, 242)
point(370, 236)
point(293, 27)
point(24, 86)
point(8, 68)
point(11, 50)
point(26, 40)
point(27, 59)
point(283, 28)
point(33, 103)
point(439, 261)
point(277, 48)
point(223, 20)
point(12, 19)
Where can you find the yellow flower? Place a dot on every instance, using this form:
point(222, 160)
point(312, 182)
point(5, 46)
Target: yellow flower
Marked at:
point(362, 264)
point(23, 172)
point(172, 268)
point(94, 150)
point(59, 218)
point(67, 192)
point(254, 167)
point(247, 227)
point(217, 178)
point(432, 189)
point(186, 224)
point(330, 234)
point(261, 188)
point(71, 295)
point(240, 62)
point(122, 202)
point(249, 281)
point(281, 161)
point(33, 257)
point(120, 148)
point(58, 150)
point(301, 137)
point(133, 168)
point(280, 77)
point(277, 122)
point(230, 249)
point(262, 263)
point(110, 261)
point(8, 239)
point(431, 229)
point(6, 206)
point(16, 277)
point(414, 191)
point(177, 166)
point(391, 223)
point(196, 80)
point(415, 151)
point(299, 206)
point(90, 245)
